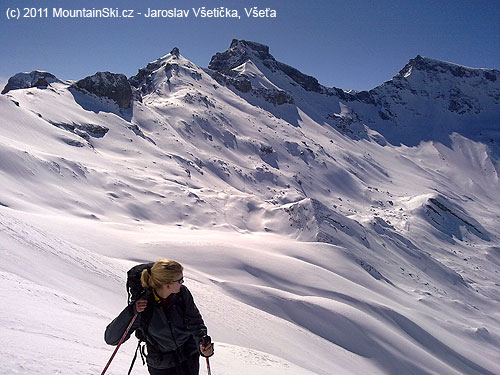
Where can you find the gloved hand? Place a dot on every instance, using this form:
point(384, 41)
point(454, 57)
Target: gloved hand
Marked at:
point(140, 305)
point(206, 346)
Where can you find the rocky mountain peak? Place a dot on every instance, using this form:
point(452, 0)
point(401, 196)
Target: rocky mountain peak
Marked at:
point(110, 85)
point(241, 51)
point(175, 52)
point(36, 78)
point(433, 99)
point(432, 66)
point(238, 53)
point(143, 80)
point(249, 45)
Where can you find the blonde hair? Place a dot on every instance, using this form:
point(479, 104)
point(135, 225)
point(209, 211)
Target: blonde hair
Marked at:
point(163, 272)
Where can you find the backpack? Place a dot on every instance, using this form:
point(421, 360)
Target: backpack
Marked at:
point(135, 290)
point(134, 286)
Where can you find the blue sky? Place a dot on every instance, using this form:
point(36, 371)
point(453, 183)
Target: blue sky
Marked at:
point(356, 44)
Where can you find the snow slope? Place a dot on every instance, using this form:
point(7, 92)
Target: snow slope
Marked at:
point(322, 231)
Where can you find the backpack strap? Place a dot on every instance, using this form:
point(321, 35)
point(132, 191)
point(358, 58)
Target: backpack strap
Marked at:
point(135, 357)
point(141, 350)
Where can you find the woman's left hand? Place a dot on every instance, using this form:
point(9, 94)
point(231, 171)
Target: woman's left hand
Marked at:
point(207, 351)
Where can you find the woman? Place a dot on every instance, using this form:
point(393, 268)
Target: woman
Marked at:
point(168, 321)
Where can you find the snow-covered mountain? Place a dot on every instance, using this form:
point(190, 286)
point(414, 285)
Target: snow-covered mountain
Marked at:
point(323, 231)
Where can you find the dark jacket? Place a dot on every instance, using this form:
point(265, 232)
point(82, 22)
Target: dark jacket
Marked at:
point(172, 333)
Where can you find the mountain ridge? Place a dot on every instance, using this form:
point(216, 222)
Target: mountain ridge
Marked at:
point(392, 184)
point(238, 53)
point(270, 84)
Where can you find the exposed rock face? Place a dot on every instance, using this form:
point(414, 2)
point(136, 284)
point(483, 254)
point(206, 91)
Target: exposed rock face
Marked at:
point(277, 97)
point(143, 81)
point(241, 51)
point(26, 80)
point(307, 82)
point(451, 220)
point(175, 51)
point(243, 84)
point(86, 131)
point(223, 68)
point(237, 54)
point(109, 85)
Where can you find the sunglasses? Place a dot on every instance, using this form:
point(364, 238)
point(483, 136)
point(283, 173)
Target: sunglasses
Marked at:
point(180, 281)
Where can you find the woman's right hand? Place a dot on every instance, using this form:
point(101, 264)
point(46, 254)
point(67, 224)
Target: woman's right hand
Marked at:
point(140, 305)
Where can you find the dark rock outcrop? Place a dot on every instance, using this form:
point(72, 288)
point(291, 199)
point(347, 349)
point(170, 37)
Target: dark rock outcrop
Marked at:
point(307, 82)
point(237, 54)
point(175, 51)
point(27, 80)
point(276, 97)
point(241, 83)
point(84, 130)
point(109, 85)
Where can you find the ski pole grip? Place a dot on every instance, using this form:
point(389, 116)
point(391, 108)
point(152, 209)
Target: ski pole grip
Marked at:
point(206, 340)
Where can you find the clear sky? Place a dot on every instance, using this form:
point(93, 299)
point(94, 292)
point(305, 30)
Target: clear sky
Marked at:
point(355, 44)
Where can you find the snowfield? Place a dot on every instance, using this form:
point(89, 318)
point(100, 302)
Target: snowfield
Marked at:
point(322, 231)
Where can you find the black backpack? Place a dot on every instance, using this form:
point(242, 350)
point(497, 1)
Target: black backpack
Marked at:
point(134, 287)
point(135, 290)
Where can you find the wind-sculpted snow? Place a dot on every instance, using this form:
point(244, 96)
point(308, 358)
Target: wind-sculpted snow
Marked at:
point(323, 231)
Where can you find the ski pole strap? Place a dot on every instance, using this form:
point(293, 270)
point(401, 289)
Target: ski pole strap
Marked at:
point(142, 350)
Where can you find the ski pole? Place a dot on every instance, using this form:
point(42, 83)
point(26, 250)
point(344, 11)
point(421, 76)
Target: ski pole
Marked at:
point(208, 367)
point(121, 342)
point(206, 341)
